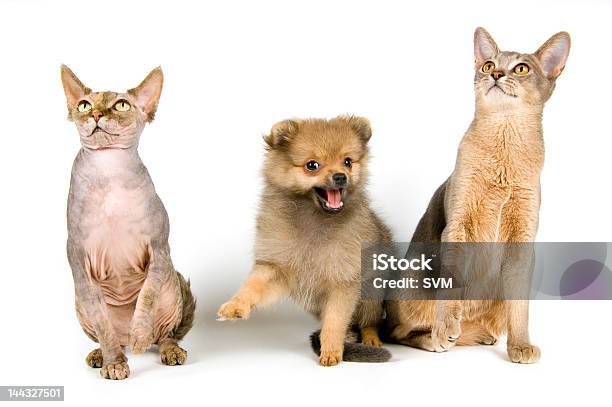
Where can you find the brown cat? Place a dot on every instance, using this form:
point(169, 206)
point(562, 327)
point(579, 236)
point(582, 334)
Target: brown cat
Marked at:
point(493, 195)
point(127, 291)
point(314, 216)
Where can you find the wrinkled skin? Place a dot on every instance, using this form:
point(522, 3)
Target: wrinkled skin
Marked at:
point(127, 291)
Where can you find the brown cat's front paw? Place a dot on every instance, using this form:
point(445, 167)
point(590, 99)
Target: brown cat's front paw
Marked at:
point(115, 371)
point(94, 359)
point(173, 355)
point(330, 357)
point(488, 340)
point(234, 309)
point(524, 353)
point(140, 339)
point(445, 333)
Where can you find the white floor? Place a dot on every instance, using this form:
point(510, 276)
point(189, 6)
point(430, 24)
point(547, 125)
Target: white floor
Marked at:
point(267, 361)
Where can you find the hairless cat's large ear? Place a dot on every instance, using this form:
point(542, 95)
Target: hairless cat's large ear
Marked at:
point(73, 88)
point(148, 92)
point(484, 47)
point(553, 54)
point(281, 133)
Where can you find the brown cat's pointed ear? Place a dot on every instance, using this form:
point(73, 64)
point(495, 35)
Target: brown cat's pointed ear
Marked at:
point(148, 92)
point(361, 126)
point(485, 47)
point(73, 88)
point(553, 54)
point(281, 133)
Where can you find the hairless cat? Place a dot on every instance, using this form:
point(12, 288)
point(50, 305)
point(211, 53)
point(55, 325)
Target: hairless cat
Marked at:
point(127, 290)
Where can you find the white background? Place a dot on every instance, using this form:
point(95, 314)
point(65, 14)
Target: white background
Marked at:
point(232, 69)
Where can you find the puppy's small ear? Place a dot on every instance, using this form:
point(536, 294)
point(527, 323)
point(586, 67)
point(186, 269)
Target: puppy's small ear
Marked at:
point(553, 54)
point(73, 88)
point(362, 127)
point(281, 133)
point(485, 47)
point(148, 92)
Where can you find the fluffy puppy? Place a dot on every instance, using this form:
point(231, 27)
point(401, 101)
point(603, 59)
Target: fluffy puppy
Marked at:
point(314, 217)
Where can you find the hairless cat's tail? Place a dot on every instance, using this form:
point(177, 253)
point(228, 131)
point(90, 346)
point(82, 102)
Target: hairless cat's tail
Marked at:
point(189, 305)
point(354, 352)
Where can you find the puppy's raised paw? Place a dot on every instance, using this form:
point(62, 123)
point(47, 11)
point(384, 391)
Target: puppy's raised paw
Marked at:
point(330, 358)
point(235, 308)
point(524, 353)
point(115, 371)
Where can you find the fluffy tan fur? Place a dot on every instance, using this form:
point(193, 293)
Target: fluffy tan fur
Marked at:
point(303, 251)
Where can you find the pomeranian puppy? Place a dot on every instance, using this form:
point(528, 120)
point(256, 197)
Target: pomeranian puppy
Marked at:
point(313, 219)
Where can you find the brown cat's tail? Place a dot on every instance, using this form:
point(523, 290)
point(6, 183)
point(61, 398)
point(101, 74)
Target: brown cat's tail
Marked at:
point(354, 352)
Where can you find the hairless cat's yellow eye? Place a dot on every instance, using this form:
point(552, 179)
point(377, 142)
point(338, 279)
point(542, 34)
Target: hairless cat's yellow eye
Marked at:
point(84, 106)
point(122, 106)
point(521, 69)
point(488, 67)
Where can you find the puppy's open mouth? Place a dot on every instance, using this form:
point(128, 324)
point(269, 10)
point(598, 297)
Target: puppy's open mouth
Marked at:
point(330, 199)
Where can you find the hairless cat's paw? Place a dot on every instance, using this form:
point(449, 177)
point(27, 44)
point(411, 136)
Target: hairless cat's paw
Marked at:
point(172, 355)
point(140, 340)
point(115, 371)
point(94, 359)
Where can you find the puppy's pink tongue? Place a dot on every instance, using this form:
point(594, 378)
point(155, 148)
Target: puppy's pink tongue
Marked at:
point(334, 198)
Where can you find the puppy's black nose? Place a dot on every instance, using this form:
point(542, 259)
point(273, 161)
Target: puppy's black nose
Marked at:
point(339, 179)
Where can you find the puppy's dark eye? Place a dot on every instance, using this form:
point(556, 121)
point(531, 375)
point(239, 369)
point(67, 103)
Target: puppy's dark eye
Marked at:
point(312, 165)
point(348, 162)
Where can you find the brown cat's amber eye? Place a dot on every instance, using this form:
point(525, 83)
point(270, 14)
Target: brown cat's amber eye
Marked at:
point(122, 106)
point(84, 106)
point(521, 69)
point(488, 67)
